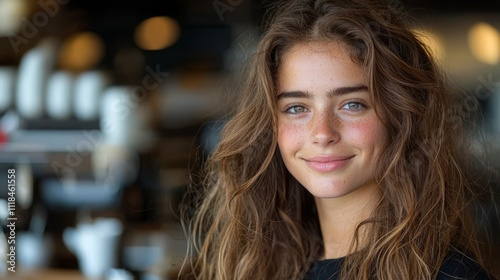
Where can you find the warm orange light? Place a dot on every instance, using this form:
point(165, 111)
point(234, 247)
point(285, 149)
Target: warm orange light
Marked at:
point(82, 51)
point(484, 43)
point(157, 33)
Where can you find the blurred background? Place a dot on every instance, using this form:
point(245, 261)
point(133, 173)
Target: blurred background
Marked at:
point(108, 107)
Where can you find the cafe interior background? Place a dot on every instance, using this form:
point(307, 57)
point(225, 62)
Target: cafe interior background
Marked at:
point(107, 108)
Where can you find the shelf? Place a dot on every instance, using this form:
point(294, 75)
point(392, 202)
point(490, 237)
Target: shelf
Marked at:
point(51, 124)
point(46, 141)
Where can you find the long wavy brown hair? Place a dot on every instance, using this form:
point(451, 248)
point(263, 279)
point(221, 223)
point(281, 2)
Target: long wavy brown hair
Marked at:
point(253, 220)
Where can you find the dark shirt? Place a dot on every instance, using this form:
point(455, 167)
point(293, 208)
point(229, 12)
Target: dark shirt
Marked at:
point(456, 266)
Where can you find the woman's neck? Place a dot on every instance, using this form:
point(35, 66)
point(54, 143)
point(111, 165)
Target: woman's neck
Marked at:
point(339, 218)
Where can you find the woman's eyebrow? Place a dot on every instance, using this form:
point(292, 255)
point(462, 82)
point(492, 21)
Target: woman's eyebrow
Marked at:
point(331, 93)
point(294, 94)
point(346, 90)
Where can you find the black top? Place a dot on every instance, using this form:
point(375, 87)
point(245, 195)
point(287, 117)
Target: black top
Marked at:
point(456, 266)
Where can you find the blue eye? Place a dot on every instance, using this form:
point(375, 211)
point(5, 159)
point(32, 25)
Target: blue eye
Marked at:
point(295, 109)
point(354, 106)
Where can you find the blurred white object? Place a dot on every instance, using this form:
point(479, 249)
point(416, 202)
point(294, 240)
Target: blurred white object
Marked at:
point(34, 251)
point(95, 245)
point(119, 274)
point(89, 87)
point(34, 248)
point(4, 213)
point(59, 95)
point(7, 81)
point(34, 71)
point(24, 178)
point(10, 122)
point(116, 115)
point(145, 250)
point(124, 122)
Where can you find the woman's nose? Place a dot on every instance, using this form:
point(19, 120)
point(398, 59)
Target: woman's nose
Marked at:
point(324, 128)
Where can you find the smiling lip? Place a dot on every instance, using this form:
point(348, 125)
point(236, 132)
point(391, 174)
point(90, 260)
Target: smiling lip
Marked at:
point(327, 164)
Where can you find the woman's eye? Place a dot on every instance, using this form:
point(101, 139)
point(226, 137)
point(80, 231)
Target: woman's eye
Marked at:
point(353, 106)
point(296, 109)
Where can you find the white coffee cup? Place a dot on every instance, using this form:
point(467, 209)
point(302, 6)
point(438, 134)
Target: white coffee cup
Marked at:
point(89, 87)
point(95, 245)
point(117, 115)
point(34, 71)
point(60, 95)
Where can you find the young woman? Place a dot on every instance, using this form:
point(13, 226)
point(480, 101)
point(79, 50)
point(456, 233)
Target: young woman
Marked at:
point(344, 160)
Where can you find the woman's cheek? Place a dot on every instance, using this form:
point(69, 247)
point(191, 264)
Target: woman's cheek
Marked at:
point(290, 135)
point(368, 132)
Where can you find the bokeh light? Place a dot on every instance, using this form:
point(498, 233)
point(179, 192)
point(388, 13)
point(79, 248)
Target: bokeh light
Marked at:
point(82, 51)
point(484, 43)
point(11, 13)
point(157, 33)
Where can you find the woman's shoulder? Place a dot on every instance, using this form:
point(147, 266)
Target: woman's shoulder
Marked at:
point(458, 265)
point(325, 269)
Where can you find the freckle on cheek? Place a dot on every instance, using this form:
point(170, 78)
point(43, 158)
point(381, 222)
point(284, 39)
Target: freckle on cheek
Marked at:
point(366, 131)
point(291, 133)
point(337, 123)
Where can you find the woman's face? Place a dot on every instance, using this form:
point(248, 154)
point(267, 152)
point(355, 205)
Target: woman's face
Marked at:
point(329, 135)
